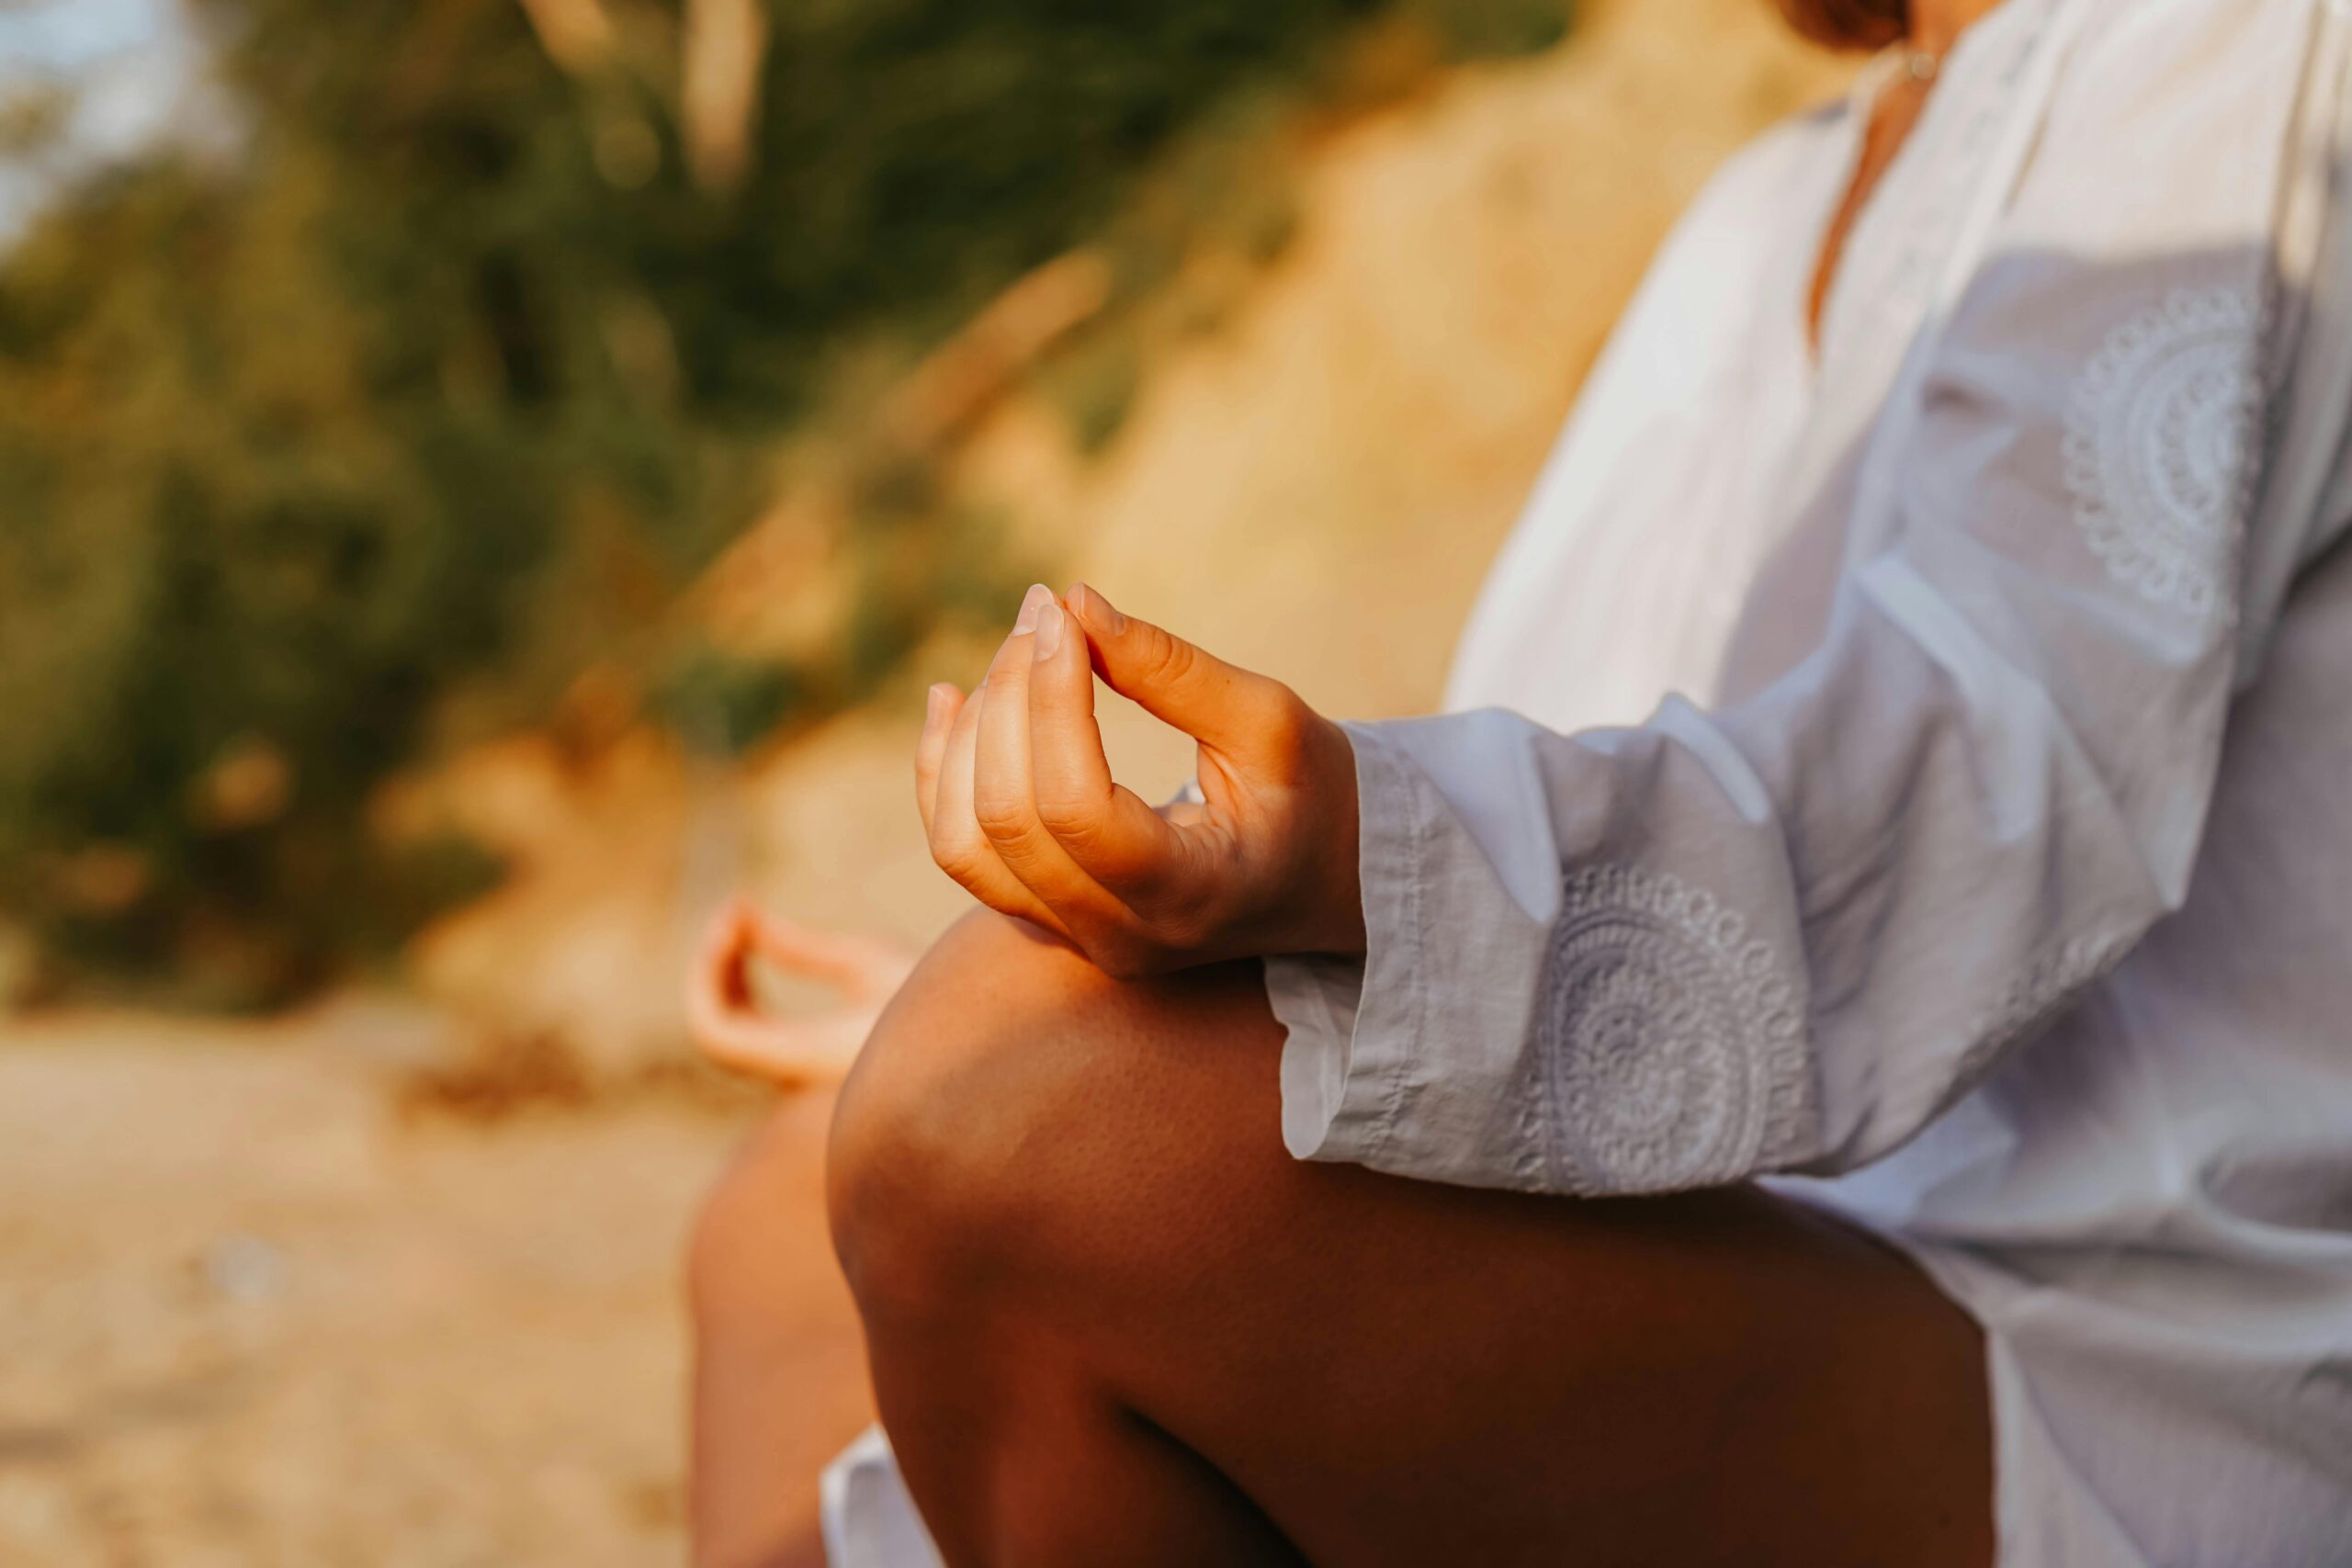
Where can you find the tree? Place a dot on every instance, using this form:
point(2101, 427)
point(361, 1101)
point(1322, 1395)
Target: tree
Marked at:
point(464, 360)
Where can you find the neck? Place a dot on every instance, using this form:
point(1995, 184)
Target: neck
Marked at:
point(1935, 23)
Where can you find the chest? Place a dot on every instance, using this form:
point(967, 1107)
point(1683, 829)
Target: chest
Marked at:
point(1887, 123)
point(1690, 532)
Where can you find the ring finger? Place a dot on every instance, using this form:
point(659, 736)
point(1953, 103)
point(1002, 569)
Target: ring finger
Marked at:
point(956, 843)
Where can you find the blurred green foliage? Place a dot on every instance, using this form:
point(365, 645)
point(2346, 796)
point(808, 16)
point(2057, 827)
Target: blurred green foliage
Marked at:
point(449, 376)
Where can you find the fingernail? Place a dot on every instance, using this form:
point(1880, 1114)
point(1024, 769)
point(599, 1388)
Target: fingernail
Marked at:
point(1049, 629)
point(935, 703)
point(1101, 609)
point(1036, 599)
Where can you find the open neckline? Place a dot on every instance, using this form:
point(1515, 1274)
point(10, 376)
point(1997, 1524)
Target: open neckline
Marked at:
point(1827, 274)
point(1828, 278)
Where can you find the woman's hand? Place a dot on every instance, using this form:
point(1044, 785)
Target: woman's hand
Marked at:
point(1017, 796)
point(793, 1052)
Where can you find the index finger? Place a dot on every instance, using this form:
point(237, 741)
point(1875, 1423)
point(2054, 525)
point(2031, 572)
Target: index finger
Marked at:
point(1102, 825)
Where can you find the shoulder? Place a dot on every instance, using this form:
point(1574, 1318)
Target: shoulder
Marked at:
point(2190, 56)
point(2170, 117)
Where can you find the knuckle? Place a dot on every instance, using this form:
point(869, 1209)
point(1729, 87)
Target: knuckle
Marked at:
point(1186, 918)
point(1002, 817)
point(1169, 660)
point(1116, 947)
point(1284, 711)
point(1003, 677)
point(1286, 726)
point(955, 855)
point(1120, 960)
point(1183, 929)
point(1071, 818)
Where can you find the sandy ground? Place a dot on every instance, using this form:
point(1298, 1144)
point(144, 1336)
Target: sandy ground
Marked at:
point(254, 1312)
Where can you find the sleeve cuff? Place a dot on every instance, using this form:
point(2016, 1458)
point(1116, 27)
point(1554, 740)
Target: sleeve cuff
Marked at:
point(1352, 1024)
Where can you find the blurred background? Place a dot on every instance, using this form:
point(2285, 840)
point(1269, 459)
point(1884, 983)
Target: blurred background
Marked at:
point(481, 480)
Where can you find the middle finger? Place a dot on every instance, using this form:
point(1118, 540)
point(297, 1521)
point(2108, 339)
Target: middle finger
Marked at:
point(1004, 801)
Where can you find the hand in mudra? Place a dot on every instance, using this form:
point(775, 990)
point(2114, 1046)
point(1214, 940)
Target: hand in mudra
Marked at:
point(1018, 799)
point(729, 1024)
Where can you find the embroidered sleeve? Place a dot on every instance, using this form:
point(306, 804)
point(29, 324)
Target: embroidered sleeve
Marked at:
point(1784, 934)
point(1670, 1040)
point(2155, 449)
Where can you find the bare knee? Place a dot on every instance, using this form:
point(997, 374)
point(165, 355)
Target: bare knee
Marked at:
point(921, 1169)
point(1003, 1116)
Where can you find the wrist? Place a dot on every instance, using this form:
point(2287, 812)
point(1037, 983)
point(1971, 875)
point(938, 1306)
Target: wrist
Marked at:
point(1338, 923)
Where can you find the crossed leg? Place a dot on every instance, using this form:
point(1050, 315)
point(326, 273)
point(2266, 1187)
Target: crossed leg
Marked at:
point(1111, 1322)
point(779, 1377)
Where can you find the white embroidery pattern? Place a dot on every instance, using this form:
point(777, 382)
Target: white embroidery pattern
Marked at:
point(1672, 1042)
point(2037, 998)
point(2159, 440)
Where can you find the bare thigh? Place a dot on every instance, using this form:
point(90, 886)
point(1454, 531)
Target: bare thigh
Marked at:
point(1046, 1179)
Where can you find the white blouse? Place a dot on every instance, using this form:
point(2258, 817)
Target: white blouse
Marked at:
point(1997, 889)
point(2001, 878)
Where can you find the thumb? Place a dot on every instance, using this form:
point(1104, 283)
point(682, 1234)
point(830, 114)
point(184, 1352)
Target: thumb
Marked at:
point(1219, 704)
point(850, 962)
